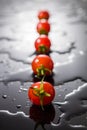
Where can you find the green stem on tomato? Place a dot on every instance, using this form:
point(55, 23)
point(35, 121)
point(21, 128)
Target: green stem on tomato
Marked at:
point(41, 71)
point(41, 92)
point(43, 31)
point(42, 49)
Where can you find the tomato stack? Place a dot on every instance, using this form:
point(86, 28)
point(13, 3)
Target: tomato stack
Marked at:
point(42, 92)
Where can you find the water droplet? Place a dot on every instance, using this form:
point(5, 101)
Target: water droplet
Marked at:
point(4, 96)
point(23, 89)
point(14, 99)
point(18, 106)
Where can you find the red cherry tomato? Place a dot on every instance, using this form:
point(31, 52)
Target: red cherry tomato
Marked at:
point(43, 15)
point(42, 65)
point(42, 44)
point(41, 93)
point(43, 27)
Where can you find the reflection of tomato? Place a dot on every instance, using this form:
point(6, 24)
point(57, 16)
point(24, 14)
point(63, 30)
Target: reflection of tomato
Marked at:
point(42, 44)
point(43, 27)
point(43, 14)
point(42, 65)
point(41, 93)
point(44, 117)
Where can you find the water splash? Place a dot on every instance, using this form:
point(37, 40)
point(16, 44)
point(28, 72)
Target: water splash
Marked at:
point(75, 68)
point(74, 103)
point(14, 114)
point(22, 53)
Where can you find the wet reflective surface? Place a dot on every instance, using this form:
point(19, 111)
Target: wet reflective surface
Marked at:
point(18, 20)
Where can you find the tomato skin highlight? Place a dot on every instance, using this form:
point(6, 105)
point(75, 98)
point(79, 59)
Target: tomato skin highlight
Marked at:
point(43, 27)
point(43, 63)
point(48, 88)
point(42, 44)
point(43, 14)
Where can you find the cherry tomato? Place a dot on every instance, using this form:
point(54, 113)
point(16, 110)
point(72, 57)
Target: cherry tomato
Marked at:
point(42, 44)
point(42, 65)
point(41, 93)
point(43, 27)
point(43, 14)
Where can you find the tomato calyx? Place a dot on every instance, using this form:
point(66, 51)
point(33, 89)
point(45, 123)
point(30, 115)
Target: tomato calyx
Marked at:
point(41, 93)
point(43, 31)
point(43, 49)
point(41, 71)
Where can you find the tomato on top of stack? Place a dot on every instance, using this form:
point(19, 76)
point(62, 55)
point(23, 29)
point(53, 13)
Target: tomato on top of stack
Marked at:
point(43, 26)
point(42, 92)
point(43, 14)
